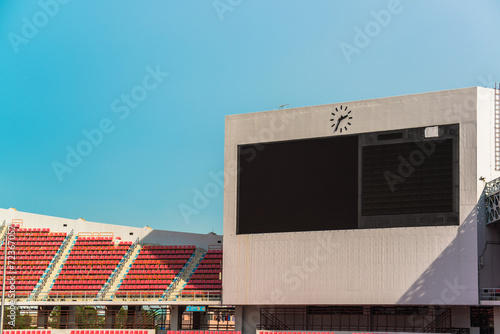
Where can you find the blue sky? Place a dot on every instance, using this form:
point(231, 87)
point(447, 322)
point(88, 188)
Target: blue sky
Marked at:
point(114, 110)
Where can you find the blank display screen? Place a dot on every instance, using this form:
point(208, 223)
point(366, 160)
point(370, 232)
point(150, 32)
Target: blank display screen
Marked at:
point(304, 185)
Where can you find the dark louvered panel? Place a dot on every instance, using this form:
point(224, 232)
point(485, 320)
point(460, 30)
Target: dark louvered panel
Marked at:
point(404, 178)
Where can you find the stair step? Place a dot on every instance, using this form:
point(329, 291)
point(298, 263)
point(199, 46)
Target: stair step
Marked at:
point(53, 270)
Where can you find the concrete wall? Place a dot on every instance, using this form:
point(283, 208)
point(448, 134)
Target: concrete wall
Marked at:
point(146, 235)
point(488, 236)
point(420, 265)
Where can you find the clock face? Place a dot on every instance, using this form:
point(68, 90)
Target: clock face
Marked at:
point(341, 120)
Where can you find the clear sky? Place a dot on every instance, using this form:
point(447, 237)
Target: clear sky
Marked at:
point(114, 110)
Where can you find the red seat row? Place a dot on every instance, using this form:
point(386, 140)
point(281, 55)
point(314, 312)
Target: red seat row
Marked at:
point(146, 281)
point(76, 287)
point(73, 282)
point(73, 293)
point(22, 282)
point(140, 294)
point(203, 287)
point(33, 229)
point(146, 270)
point(25, 287)
point(283, 332)
point(111, 331)
point(169, 247)
point(95, 238)
point(27, 331)
point(37, 244)
point(202, 281)
point(206, 332)
point(143, 287)
point(30, 244)
point(163, 257)
point(44, 239)
point(23, 273)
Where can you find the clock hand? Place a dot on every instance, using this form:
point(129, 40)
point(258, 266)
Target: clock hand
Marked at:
point(341, 118)
point(338, 123)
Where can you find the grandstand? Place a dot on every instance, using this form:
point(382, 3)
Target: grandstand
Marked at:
point(73, 275)
point(374, 216)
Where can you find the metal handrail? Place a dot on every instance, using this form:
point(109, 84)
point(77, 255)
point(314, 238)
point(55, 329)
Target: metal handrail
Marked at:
point(489, 294)
point(4, 224)
point(431, 327)
point(118, 270)
point(86, 295)
point(177, 279)
point(275, 321)
point(492, 187)
point(51, 266)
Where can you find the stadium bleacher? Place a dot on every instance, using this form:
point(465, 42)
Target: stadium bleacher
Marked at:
point(154, 269)
point(90, 263)
point(34, 249)
point(207, 275)
point(67, 269)
point(93, 259)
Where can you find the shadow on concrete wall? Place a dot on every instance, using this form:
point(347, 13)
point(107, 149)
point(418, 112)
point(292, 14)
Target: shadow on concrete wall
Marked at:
point(452, 276)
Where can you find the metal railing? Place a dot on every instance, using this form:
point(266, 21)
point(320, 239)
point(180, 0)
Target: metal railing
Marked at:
point(272, 320)
point(173, 285)
point(143, 295)
point(492, 187)
point(208, 295)
point(489, 294)
point(118, 270)
point(4, 226)
point(383, 329)
point(97, 319)
point(443, 318)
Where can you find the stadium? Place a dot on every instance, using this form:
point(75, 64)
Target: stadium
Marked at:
point(372, 216)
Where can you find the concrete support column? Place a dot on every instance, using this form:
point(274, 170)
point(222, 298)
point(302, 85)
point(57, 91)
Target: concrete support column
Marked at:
point(64, 318)
point(238, 318)
point(43, 313)
point(72, 317)
point(460, 317)
point(251, 317)
point(496, 319)
point(134, 317)
point(205, 319)
point(176, 317)
point(368, 320)
point(196, 320)
point(130, 322)
point(111, 313)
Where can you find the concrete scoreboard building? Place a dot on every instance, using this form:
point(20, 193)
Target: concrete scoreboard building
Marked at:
point(365, 216)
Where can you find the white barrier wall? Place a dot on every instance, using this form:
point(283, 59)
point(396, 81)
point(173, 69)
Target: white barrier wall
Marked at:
point(413, 265)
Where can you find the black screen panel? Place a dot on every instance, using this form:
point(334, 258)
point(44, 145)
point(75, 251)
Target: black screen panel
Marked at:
point(303, 185)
